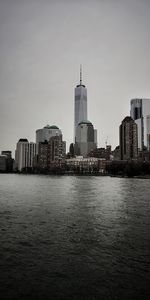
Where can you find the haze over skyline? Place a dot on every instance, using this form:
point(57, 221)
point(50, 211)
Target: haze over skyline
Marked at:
point(43, 43)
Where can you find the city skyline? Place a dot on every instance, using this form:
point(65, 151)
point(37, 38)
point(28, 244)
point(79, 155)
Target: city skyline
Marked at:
point(42, 45)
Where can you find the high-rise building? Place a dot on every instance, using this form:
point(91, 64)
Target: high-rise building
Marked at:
point(128, 139)
point(51, 148)
point(80, 104)
point(9, 160)
point(57, 150)
point(42, 158)
point(7, 153)
point(85, 138)
point(140, 111)
point(51, 154)
point(3, 163)
point(24, 155)
point(46, 133)
point(71, 150)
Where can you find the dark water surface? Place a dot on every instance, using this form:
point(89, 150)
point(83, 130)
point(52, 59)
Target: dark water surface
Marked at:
point(74, 237)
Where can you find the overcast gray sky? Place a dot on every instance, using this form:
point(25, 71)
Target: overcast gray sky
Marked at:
point(43, 43)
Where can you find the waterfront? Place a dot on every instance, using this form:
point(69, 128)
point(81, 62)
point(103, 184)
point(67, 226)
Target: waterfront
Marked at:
point(74, 237)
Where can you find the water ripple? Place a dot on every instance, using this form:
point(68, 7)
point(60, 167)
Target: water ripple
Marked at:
point(74, 237)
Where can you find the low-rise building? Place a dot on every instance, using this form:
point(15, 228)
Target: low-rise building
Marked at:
point(101, 152)
point(80, 164)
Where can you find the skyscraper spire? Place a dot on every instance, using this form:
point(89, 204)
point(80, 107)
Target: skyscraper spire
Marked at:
point(80, 74)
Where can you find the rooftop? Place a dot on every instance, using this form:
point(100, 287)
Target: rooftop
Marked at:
point(127, 119)
point(23, 141)
point(51, 127)
point(85, 122)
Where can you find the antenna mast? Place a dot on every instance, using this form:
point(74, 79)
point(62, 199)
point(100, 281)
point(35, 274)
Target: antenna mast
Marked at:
point(80, 74)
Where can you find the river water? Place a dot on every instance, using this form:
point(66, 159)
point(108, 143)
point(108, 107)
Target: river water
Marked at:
point(74, 237)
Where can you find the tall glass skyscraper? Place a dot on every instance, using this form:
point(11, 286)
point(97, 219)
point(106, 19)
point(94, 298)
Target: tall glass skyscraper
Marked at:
point(85, 138)
point(140, 112)
point(80, 104)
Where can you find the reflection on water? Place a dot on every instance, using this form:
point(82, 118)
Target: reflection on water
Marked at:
point(74, 237)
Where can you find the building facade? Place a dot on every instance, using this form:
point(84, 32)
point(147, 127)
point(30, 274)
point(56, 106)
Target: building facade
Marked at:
point(140, 112)
point(3, 163)
point(88, 165)
point(46, 133)
point(82, 164)
point(80, 103)
point(42, 157)
point(9, 160)
point(148, 132)
point(51, 154)
point(85, 138)
point(57, 151)
point(128, 139)
point(101, 152)
point(24, 155)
